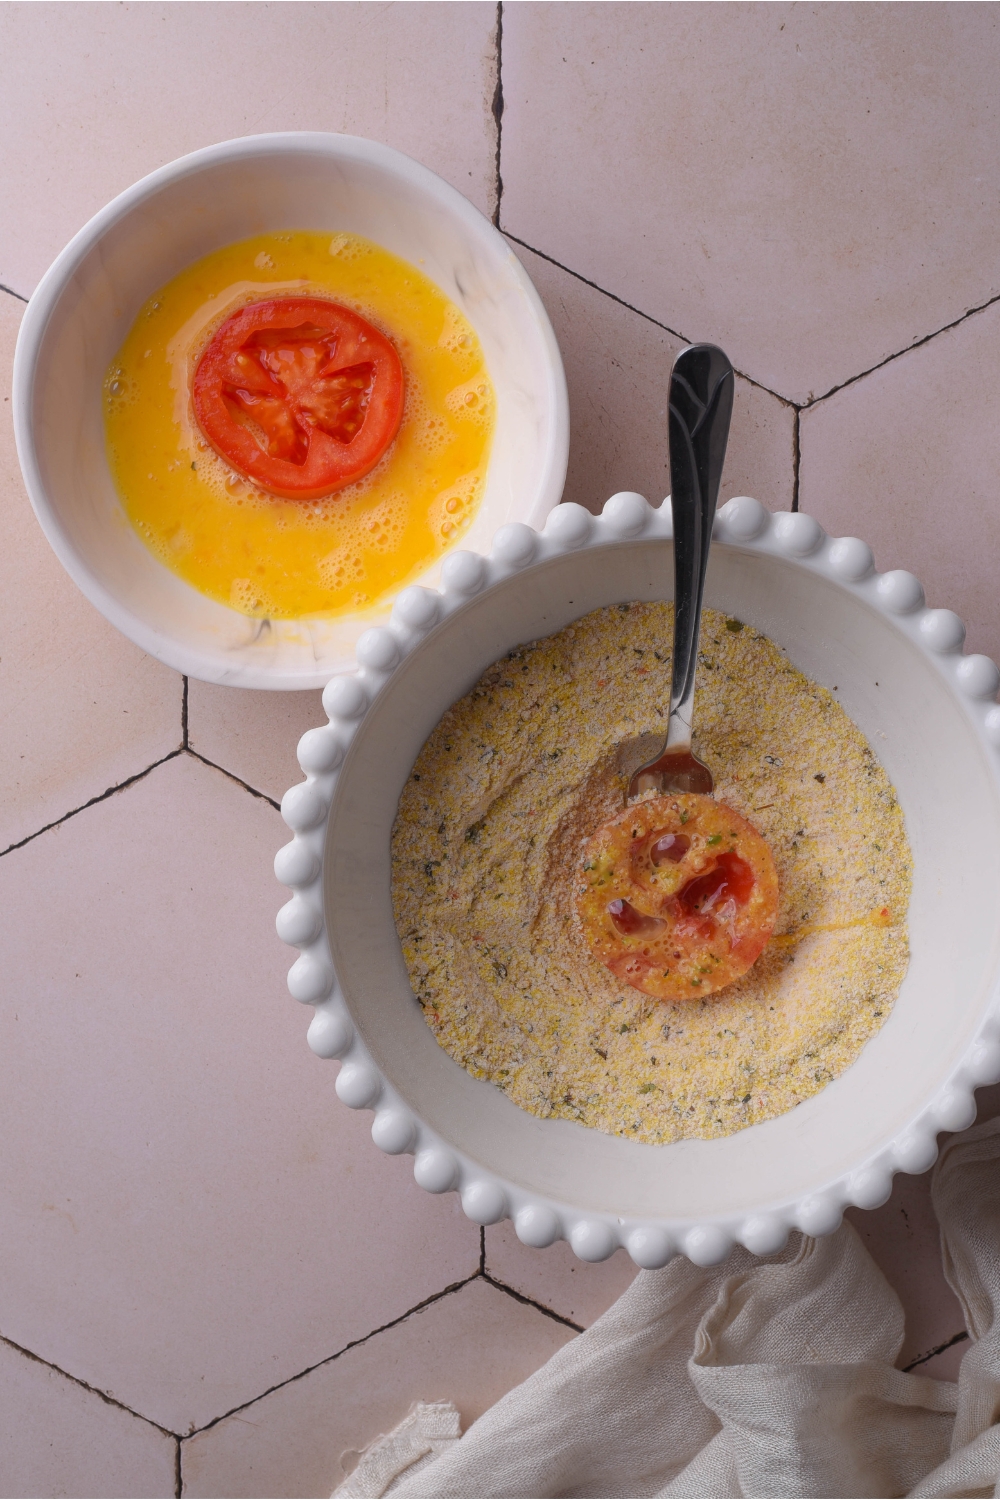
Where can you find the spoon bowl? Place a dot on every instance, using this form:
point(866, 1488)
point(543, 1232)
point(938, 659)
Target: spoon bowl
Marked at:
point(677, 770)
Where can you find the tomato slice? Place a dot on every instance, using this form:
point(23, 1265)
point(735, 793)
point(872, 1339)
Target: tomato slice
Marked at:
point(677, 896)
point(299, 394)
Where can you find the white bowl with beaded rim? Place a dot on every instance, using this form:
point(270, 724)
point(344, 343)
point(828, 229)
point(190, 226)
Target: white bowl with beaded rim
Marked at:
point(88, 299)
point(928, 711)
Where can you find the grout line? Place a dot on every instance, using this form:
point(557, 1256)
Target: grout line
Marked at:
point(501, 1286)
point(109, 1400)
point(785, 400)
point(11, 292)
point(456, 1286)
point(122, 786)
point(482, 1249)
point(796, 460)
point(498, 107)
point(612, 296)
point(185, 743)
point(101, 797)
point(231, 774)
point(178, 1478)
point(945, 327)
point(948, 1344)
point(497, 110)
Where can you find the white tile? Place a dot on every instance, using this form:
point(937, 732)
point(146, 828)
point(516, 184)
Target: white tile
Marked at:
point(813, 187)
point(908, 458)
point(102, 94)
point(555, 1277)
point(82, 708)
point(252, 734)
point(188, 1214)
point(469, 1348)
point(56, 1438)
point(618, 371)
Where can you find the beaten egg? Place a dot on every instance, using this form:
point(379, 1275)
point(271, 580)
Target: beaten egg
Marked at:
point(268, 556)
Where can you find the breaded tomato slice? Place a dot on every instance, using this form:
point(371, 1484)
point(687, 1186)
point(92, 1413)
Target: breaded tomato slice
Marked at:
point(677, 896)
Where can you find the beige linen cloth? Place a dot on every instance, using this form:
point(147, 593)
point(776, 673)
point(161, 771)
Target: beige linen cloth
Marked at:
point(757, 1377)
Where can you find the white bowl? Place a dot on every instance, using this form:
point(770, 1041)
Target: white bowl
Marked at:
point(88, 299)
point(926, 709)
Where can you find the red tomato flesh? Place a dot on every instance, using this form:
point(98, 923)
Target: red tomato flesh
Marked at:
point(300, 395)
point(671, 848)
point(628, 920)
point(731, 880)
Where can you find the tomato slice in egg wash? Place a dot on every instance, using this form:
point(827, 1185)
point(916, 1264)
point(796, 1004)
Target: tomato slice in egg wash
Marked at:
point(301, 395)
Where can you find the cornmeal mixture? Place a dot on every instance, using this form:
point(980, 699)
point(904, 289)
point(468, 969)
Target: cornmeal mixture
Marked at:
point(487, 841)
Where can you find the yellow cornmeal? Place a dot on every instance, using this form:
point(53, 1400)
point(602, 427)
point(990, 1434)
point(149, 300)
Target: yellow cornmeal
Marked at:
point(485, 851)
point(284, 559)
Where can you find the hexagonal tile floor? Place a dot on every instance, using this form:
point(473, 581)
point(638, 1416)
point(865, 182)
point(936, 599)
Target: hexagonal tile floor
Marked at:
point(213, 1283)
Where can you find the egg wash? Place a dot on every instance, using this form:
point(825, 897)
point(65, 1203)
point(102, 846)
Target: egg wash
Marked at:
point(281, 558)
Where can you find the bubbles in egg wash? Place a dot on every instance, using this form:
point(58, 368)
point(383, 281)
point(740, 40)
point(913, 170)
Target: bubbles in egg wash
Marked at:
point(472, 401)
point(247, 596)
point(119, 389)
point(455, 506)
point(457, 335)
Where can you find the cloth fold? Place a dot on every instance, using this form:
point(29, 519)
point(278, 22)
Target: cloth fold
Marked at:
point(767, 1377)
point(429, 1429)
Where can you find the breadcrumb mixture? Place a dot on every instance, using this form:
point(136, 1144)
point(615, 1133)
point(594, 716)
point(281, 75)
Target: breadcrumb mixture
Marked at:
point(516, 777)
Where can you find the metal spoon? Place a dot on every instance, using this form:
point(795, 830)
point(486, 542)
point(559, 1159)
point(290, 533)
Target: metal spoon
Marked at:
point(701, 404)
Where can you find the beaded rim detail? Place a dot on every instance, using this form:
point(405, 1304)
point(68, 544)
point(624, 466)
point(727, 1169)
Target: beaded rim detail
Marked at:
point(439, 1167)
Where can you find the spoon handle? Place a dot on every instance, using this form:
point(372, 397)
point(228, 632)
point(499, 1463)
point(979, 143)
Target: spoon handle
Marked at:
point(701, 404)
